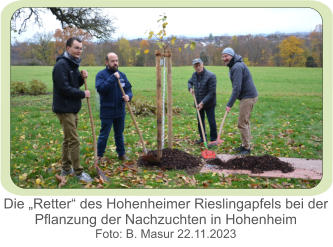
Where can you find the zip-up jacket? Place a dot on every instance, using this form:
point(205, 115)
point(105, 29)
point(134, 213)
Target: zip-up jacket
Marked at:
point(241, 79)
point(112, 104)
point(204, 85)
point(67, 80)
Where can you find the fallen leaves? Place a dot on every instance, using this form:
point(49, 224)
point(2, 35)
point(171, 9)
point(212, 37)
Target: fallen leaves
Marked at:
point(23, 177)
point(38, 181)
point(36, 138)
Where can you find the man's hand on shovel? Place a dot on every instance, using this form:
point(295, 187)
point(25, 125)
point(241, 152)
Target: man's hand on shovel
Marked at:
point(126, 98)
point(84, 75)
point(200, 106)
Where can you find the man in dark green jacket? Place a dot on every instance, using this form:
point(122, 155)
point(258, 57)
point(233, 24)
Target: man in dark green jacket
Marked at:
point(243, 89)
point(67, 96)
point(204, 84)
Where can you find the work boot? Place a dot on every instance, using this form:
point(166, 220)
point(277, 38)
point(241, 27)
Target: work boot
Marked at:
point(245, 151)
point(239, 149)
point(122, 157)
point(64, 173)
point(84, 177)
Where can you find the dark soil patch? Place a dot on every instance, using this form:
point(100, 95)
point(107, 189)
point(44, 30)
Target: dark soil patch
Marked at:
point(256, 164)
point(171, 159)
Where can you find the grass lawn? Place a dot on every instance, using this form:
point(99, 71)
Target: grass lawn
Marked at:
point(287, 121)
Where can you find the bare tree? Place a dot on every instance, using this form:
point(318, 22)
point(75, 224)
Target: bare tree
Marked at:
point(92, 20)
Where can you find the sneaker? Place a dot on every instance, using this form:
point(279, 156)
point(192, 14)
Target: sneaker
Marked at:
point(64, 173)
point(245, 151)
point(198, 142)
point(84, 177)
point(123, 157)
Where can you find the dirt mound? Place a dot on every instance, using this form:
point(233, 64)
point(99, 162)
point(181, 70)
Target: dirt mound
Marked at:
point(256, 164)
point(171, 159)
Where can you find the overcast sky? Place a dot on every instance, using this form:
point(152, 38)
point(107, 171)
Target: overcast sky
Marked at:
point(198, 22)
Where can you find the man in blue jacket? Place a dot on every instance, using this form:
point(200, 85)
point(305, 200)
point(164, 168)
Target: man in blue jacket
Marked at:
point(243, 89)
point(112, 105)
point(204, 84)
point(67, 97)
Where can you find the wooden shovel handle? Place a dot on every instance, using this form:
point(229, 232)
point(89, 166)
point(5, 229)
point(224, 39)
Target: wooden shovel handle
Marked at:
point(133, 119)
point(221, 125)
point(201, 126)
point(91, 122)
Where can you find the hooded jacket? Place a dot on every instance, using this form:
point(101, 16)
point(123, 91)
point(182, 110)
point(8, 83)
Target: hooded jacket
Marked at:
point(204, 85)
point(67, 80)
point(112, 104)
point(241, 79)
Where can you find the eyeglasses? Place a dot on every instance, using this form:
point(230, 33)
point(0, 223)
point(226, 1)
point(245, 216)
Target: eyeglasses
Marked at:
point(78, 48)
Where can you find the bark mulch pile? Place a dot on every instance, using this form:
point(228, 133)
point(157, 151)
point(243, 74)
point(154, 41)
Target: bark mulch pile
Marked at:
point(256, 164)
point(171, 159)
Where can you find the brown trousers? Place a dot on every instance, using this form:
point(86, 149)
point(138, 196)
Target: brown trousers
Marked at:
point(71, 143)
point(245, 109)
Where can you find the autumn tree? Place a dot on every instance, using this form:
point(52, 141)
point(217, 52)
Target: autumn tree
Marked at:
point(92, 20)
point(88, 56)
point(89, 60)
point(61, 36)
point(214, 54)
point(102, 48)
point(316, 41)
point(259, 52)
point(291, 52)
point(43, 48)
point(141, 55)
point(204, 58)
point(124, 51)
point(21, 54)
point(235, 44)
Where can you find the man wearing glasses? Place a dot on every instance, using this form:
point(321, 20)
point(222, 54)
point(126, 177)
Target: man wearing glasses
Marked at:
point(67, 96)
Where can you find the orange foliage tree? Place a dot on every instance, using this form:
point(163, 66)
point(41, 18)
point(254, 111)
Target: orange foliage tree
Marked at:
point(291, 52)
point(61, 36)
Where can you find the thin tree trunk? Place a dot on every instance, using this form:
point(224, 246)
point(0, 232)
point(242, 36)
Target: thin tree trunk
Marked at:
point(169, 80)
point(158, 104)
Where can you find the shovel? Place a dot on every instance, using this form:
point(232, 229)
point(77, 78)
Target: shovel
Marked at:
point(133, 119)
point(147, 157)
point(99, 170)
point(206, 154)
point(218, 140)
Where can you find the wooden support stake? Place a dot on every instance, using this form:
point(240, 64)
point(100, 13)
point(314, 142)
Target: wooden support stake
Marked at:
point(158, 104)
point(169, 81)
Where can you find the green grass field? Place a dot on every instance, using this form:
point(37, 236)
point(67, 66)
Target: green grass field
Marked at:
point(286, 122)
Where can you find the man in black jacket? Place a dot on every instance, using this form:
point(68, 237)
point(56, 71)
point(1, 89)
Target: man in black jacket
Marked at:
point(243, 89)
point(204, 84)
point(67, 97)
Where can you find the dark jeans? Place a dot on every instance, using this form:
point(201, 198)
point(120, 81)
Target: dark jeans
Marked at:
point(211, 120)
point(118, 128)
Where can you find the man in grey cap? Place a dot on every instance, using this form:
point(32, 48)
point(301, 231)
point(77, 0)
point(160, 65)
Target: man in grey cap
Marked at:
point(204, 84)
point(243, 89)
